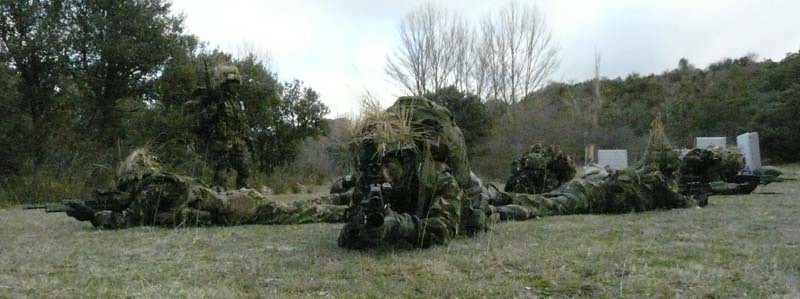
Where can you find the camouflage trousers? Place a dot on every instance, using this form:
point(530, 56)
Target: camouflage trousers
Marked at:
point(618, 192)
point(236, 207)
point(236, 158)
point(446, 215)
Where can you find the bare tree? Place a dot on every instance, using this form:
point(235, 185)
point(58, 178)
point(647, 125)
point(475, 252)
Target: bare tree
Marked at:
point(248, 48)
point(517, 52)
point(597, 104)
point(426, 58)
point(507, 57)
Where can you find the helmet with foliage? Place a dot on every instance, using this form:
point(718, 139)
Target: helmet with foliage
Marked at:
point(713, 163)
point(226, 73)
point(137, 166)
point(541, 169)
point(412, 125)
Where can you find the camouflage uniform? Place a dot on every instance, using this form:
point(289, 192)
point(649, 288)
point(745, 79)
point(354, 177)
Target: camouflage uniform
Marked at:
point(432, 197)
point(718, 168)
point(147, 195)
point(541, 169)
point(606, 191)
point(651, 184)
point(712, 164)
point(223, 125)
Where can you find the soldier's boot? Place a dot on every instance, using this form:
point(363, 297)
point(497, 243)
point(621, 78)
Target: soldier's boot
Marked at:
point(219, 178)
point(701, 199)
point(241, 178)
point(242, 167)
point(474, 220)
point(513, 212)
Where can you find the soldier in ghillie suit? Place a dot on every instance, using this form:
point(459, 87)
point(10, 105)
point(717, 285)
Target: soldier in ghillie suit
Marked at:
point(147, 195)
point(649, 185)
point(412, 184)
point(722, 170)
point(222, 124)
point(541, 169)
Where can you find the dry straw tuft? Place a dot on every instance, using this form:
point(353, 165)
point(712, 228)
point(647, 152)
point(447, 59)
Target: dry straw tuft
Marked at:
point(387, 130)
point(137, 165)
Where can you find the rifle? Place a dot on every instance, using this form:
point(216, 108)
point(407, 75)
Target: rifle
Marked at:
point(102, 200)
point(48, 207)
point(370, 210)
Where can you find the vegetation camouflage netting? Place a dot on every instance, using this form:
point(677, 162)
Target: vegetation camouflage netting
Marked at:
point(712, 164)
point(543, 168)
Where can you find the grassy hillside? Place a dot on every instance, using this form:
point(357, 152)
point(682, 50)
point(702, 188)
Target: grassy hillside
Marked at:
point(737, 246)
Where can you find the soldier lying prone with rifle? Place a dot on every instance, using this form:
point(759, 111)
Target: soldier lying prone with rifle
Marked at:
point(722, 171)
point(147, 195)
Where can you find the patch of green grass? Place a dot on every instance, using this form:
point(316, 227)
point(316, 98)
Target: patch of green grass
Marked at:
point(738, 246)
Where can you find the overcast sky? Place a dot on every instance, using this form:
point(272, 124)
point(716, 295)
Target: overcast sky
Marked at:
point(339, 47)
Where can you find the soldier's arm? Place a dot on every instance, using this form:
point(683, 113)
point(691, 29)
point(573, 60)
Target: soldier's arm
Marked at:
point(438, 225)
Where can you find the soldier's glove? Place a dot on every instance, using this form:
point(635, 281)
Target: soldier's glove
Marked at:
point(79, 210)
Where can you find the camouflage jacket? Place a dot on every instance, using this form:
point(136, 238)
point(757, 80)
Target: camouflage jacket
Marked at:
point(165, 199)
point(223, 122)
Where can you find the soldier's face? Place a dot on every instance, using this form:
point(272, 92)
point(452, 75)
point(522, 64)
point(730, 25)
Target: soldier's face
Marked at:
point(392, 170)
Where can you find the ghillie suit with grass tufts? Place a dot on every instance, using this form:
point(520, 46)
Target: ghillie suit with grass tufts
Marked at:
point(651, 184)
point(722, 170)
point(413, 183)
point(145, 194)
point(541, 169)
point(222, 126)
point(712, 164)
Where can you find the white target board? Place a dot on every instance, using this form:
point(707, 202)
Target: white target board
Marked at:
point(705, 142)
point(748, 144)
point(614, 159)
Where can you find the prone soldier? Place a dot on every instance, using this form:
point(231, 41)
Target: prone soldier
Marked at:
point(147, 195)
point(543, 168)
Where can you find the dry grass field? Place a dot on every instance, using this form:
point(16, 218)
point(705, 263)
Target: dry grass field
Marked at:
point(738, 246)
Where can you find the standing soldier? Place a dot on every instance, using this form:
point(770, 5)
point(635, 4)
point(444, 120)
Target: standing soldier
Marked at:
point(223, 125)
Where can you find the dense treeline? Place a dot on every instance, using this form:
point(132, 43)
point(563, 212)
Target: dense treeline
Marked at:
point(82, 82)
point(727, 98)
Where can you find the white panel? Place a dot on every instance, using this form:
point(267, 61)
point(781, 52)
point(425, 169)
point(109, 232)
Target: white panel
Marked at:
point(615, 159)
point(705, 142)
point(748, 144)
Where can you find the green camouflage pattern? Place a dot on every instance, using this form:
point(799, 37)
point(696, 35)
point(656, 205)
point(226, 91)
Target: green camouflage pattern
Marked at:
point(442, 217)
point(543, 168)
point(712, 164)
point(159, 198)
point(223, 127)
point(721, 170)
point(605, 192)
point(651, 184)
point(433, 198)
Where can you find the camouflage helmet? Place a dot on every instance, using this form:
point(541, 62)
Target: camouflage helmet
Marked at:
point(225, 73)
point(138, 165)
